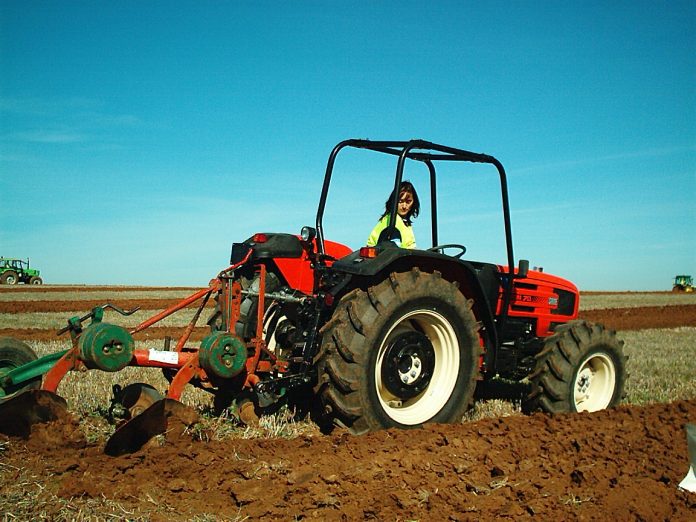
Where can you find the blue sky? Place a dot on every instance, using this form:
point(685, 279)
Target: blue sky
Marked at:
point(138, 140)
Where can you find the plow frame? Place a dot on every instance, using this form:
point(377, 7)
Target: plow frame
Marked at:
point(251, 365)
point(184, 359)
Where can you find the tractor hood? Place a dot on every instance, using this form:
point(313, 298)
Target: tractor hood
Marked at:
point(542, 278)
point(550, 298)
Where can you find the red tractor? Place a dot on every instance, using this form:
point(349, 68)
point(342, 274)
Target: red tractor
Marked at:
point(376, 338)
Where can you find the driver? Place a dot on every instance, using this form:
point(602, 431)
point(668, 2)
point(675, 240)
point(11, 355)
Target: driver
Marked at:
point(408, 208)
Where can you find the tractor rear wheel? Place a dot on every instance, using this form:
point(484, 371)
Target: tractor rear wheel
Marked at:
point(401, 354)
point(9, 277)
point(13, 354)
point(582, 367)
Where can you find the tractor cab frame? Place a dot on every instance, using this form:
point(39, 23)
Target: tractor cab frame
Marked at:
point(491, 286)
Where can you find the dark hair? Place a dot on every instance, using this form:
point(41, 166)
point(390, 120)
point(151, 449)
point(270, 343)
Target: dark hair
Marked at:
point(406, 186)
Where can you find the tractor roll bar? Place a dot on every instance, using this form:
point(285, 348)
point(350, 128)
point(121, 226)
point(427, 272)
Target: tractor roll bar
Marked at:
point(426, 152)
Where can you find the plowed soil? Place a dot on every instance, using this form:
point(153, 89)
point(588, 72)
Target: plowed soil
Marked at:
point(155, 332)
point(643, 317)
point(14, 307)
point(622, 464)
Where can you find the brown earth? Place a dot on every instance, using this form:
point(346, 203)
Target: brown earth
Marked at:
point(40, 289)
point(16, 307)
point(154, 332)
point(622, 464)
point(643, 317)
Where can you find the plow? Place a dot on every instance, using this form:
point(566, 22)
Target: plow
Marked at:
point(368, 339)
point(223, 364)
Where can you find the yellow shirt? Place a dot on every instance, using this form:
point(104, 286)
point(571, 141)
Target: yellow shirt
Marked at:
point(408, 238)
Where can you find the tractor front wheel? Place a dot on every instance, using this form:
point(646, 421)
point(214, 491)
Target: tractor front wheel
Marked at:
point(9, 277)
point(36, 280)
point(401, 354)
point(582, 367)
point(13, 354)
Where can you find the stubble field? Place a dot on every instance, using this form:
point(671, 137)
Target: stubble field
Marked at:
point(623, 463)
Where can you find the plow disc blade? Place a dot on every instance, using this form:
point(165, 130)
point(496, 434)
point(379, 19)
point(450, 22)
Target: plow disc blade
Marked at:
point(19, 413)
point(161, 417)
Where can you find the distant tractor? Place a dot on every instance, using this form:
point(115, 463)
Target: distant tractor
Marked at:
point(683, 283)
point(13, 271)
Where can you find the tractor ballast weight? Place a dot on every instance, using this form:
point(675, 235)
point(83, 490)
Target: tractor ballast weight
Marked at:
point(222, 354)
point(106, 347)
point(379, 337)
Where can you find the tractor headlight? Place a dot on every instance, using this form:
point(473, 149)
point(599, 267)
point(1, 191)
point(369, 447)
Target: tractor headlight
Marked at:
point(308, 234)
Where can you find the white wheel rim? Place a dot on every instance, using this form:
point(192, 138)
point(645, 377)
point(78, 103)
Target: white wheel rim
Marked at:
point(445, 345)
point(594, 383)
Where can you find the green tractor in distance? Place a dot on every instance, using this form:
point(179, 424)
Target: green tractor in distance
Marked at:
point(683, 283)
point(13, 271)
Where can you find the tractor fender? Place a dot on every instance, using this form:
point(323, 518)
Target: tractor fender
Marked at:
point(268, 246)
point(477, 281)
point(287, 256)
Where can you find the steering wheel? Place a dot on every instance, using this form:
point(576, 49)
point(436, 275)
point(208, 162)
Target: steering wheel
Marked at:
point(442, 248)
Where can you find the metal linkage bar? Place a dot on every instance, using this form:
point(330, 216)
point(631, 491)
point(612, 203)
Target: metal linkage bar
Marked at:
point(275, 296)
point(175, 308)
